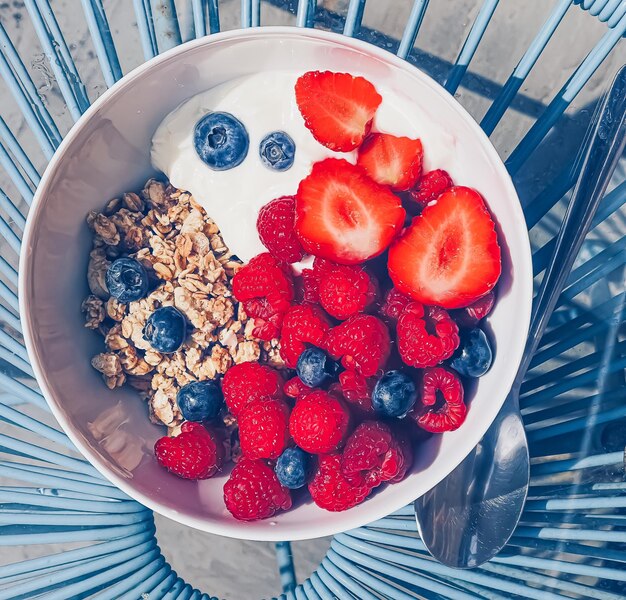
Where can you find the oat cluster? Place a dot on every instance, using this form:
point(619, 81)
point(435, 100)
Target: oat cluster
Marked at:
point(191, 267)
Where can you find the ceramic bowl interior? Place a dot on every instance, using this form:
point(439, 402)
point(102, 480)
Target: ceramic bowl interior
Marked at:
point(108, 152)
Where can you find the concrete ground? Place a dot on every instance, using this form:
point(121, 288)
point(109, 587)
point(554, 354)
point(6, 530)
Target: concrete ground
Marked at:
point(242, 570)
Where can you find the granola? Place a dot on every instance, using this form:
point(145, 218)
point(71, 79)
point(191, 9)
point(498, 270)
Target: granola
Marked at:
point(181, 247)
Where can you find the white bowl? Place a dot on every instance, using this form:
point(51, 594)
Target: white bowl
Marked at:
point(107, 152)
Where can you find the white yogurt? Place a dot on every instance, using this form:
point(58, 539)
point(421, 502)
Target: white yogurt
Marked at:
point(266, 102)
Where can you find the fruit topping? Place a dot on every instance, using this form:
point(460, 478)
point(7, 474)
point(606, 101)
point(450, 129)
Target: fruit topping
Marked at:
point(474, 355)
point(430, 186)
point(362, 343)
point(343, 215)
point(345, 290)
point(394, 394)
point(303, 324)
point(337, 108)
point(357, 390)
point(294, 388)
point(449, 255)
point(277, 151)
point(250, 381)
point(264, 428)
point(441, 407)
point(221, 140)
point(426, 335)
point(200, 400)
point(391, 160)
point(393, 305)
point(292, 468)
point(195, 453)
point(319, 422)
point(165, 329)
point(275, 227)
point(254, 492)
point(315, 367)
point(470, 316)
point(127, 280)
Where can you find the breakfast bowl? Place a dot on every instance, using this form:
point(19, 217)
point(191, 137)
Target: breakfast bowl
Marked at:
point(108, 152)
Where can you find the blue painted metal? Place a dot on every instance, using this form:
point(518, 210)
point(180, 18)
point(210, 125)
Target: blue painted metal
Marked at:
point(571, 532)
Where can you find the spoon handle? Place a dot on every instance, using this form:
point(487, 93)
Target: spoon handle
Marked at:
point(599, 162)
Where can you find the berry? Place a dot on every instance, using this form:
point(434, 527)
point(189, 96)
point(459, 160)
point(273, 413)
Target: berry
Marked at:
point(362, 342)
point(432, 415)
point(294, 388)
point(263, 428)
point(357, 390)
point(221, 141)
point(474, 355)
point(374, 453)
point(310, 286)
point(346, 290)
point(127, 280)
point(254, 492)
point(303, 324)
point(394, 394)
point(331, 490)
point(430, 186)
point(319, 422)
point(292, 468)
point(449, 255)
point(337, 108)
point(275, 226)
point(277, 151)
point(250, 381)
point(315, 367)
point(393, 305)
point(200, 400)
point(266, 291)
point(426, 335)
point(391, 160)
point(343, 215)
point(165, 329)
point(470, 316)
point(193, 454)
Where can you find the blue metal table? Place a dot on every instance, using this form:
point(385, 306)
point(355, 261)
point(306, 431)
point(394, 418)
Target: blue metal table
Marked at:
point(571, 541)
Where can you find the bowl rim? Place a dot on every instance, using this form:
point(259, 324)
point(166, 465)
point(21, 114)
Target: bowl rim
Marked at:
point(350, 519)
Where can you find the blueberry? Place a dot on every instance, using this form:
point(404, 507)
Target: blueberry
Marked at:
point(165, 329)
point(200, 400)
point(292, 468)
point(474, 356)
point(221, 140)
point(277, 150)
point(315, 367)
point(127, 280)
point(394, 394)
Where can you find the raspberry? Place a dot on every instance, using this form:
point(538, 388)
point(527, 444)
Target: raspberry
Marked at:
point(266, 291)
point(310, 286)
point(276, 232)
point(431, 414)
point(346, 290)
point(254, 492)
point(319, 422)
point(294, 388)
point(375, 454)
point(469, 316)
point(303, 324)
point(331, 490)
point(426, 335)
point(195, 453)
point(357, 390)
point(250, 381)
point(264, 428)
point(430, 186)
point(393, 305)
point(362, 342)
point(267, 322)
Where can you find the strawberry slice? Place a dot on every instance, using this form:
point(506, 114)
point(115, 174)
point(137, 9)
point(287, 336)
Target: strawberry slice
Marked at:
point(392, 160)
point(337, 108)
point(344, 216)
point(449, 255)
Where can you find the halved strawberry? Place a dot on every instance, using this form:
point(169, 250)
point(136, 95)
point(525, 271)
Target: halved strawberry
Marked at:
point(337, 108)
point(392, 160)
point(449, 255)
point(344, 216)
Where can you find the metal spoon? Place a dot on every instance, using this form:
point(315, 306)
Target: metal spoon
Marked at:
point(469, 517)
